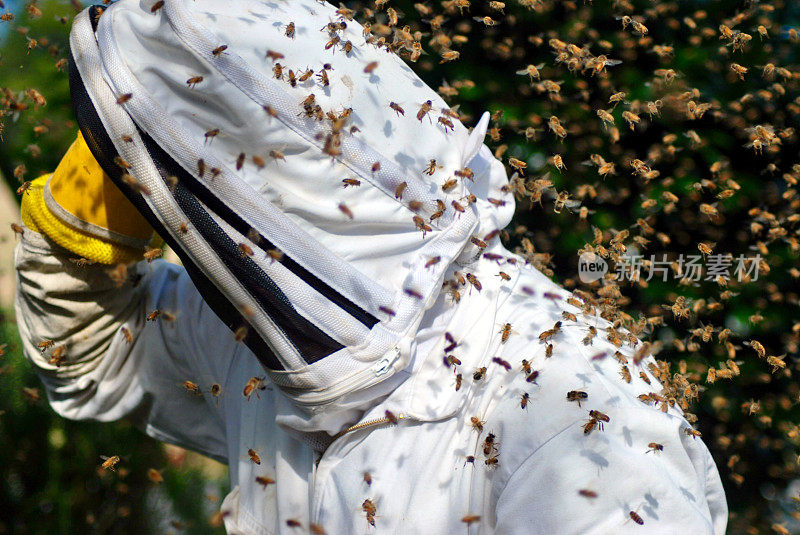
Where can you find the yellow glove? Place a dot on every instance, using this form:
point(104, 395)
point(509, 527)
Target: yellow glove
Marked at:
point(80, 208)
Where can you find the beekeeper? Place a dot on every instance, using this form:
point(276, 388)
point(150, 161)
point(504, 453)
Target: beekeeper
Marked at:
point(348, 334)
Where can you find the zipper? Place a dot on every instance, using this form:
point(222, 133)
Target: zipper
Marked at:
point(368, 423)
point(362, 379)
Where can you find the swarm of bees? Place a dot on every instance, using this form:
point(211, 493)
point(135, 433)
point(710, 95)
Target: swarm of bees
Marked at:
point(680, 160)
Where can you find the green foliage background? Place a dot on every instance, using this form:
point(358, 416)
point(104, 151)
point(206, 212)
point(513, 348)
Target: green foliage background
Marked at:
point(48, 466)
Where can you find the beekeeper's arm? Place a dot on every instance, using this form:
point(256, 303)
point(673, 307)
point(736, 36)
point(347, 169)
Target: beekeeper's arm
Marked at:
point(593, 488)
point(107, 361)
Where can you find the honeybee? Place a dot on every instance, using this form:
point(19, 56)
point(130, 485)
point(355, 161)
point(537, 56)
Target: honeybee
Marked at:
point(625, 373)
point(368, 506)
point(57, 356)
point(254, 384)
point(531, 378)
point(577, 395)
point(345, 210)
point(476, 424)
point(156, 6)
point(505, 333)
point(388, 311)
point(489, 444)
point(655, 447)
point(219, 50)
point(253, 454)
point(126, 333)
point(505, 364)
point(391, 417)
point(479, 374)
point(155, 476)
point(193, 81)
point(44, 345)
point(524, 400)
point(550, 333)
point(264, 481)
point(492, 461)
point(424, 109)
point(290, 30)
point(459, 379)
point(473, 280)
point(471, 519)
point(191, 387)
point(636, 518)
point(368, 478)
point(109, 463)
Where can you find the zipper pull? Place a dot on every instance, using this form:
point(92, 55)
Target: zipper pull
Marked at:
point(384, 364)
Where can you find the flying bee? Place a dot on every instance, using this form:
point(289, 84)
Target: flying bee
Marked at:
point(433, 261)
point(501, 362)
point(396, 107)
point(253, 385)
point(655, 447)
point(471, 519)
point(109, 463)
point(577, 395)
point(156, 6)
point(193, 81)
point(264, 481)
point(449, 55)
point(532, 71)
point(424, 109)
point(122, 99)
point(345, 210)
point(219, 50)
point(254, 456)
point(447, 124)
point(586, 493)
point(636, 518)
point(153, 316)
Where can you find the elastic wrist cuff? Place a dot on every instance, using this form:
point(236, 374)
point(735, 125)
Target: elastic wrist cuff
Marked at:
point(37, 216)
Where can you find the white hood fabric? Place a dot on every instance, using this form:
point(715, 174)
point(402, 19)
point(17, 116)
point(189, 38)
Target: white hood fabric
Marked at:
point(243, 152)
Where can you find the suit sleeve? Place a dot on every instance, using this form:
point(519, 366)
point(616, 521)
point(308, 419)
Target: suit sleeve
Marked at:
point(576, 483)
point(107, 361)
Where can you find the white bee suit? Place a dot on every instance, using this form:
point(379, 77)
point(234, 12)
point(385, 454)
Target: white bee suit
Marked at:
point(310, 226)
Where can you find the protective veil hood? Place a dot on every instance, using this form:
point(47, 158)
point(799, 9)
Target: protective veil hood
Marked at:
point(299, 202)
